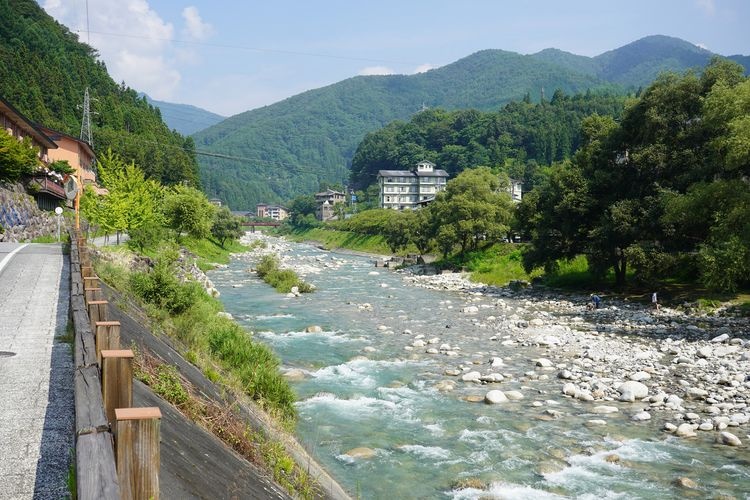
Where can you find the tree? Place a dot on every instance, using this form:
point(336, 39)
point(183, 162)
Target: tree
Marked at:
point(62, 167)
point(300, 208)
point(475, 207)
point(132, 200)
point(226, 226)
point(397, 232)
point(16, 157)
point(187, 210)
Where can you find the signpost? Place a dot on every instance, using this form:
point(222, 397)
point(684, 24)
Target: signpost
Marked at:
point(73, 192)
point(58, 212)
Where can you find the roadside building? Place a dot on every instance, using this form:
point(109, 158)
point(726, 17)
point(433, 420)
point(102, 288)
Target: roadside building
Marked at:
point(77, 153)
point(411, 189)
point(327, 200)
point(45, 184)
point(215, 202)
point(275, 212)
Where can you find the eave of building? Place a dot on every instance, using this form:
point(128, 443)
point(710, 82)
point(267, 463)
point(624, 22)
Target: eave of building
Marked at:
point(26, 125)
point(52, 132)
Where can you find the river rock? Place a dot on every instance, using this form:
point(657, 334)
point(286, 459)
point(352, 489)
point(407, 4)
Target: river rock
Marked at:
point(565, 375)
point(362, 453)
point(294, 375)
point(685, 430)
point(544, 363)
point(697, 393)
point(632, 390)
point(721, 338)
point(604, 409)
point(445, 386)
point(418, 343)
point(495, 397)
point(470, 309)
point(496, 362)
point(641, 416)
point(670, 427)
point(729, 439)
point(471, 377)
point(492, 377)
point(313, 329)
point(595, 423)
point(570, 389)
point(639, 376)
point(514, 395)
point(705, 352)
point(686, 483)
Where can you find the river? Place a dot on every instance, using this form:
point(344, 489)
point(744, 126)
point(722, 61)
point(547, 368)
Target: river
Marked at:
point(369, 383)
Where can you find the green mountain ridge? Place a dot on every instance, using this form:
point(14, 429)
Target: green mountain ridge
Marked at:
point(290, 147)
point(44, 71)
point(184, 118)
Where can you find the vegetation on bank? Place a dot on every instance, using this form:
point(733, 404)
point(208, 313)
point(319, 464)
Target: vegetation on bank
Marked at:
point(283, 280)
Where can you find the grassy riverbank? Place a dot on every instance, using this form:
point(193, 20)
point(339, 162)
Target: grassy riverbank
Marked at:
point(500, 263)
point(333, 239)
point(224, 351)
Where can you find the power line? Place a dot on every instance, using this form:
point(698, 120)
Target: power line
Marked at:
point(244, 47)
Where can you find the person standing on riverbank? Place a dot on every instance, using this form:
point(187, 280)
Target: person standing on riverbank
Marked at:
point(655, 301)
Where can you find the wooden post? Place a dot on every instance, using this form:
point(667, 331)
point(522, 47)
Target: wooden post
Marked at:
point(92, 294)
point(87, 271)
point(117, 381)
point(98, 311)
point(107, 337)
point(91, 282)
point(137, 452)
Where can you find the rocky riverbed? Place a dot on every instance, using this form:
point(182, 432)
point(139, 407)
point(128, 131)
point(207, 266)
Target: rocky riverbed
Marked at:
point(690, 372)
point(497, 377)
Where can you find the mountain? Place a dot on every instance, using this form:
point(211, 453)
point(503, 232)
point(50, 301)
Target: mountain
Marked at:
point(44, 71)
point(185, 118)
point(290, 147)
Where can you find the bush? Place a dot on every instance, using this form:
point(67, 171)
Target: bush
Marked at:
point(724, 265)
point(149, 235)
point(161, 288)
point(281, 279)
point(255, 365)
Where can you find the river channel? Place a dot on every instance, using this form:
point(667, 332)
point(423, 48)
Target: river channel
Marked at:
point(366, 386)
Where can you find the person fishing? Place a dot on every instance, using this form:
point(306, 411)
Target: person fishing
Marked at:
point(595, 301)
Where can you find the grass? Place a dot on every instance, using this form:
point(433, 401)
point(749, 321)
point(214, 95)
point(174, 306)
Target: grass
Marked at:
point(495, 265)
point(283, 280)
point(48, 238)
point(332, 239)
point(209, 251)
point(221, 419)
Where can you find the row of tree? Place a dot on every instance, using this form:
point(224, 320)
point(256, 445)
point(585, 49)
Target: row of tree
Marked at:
point(662, 192)
point(518, 138)
point(150, 212)
point(665, 191)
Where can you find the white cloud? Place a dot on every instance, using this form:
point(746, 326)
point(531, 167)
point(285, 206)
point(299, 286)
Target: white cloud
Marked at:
point(422, 68)
point(376, 70)
point(702, 46)
point(195, 27)
point(131, 38)
point(709, 6)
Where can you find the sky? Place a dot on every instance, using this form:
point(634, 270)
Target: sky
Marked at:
point(232, 56)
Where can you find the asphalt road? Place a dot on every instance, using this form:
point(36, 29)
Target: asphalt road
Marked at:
point(36, 373)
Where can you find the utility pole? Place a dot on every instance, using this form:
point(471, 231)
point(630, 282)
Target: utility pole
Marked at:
point(88, 138)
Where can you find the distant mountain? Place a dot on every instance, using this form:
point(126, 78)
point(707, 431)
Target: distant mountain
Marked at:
point(289, 147)
point(184, 118)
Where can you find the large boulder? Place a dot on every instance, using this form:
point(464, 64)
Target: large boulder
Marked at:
point(495, 397)
point(632, 390)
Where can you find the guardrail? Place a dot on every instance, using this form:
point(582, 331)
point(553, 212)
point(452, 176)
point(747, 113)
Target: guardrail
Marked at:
point(117, 447)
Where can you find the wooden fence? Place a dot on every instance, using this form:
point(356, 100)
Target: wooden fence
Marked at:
point(117, 447)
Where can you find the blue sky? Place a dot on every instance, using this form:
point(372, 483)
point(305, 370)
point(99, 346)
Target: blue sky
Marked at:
point(231, 56)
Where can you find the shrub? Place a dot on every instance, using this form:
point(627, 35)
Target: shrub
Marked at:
point(160, 287)
point(281, 279)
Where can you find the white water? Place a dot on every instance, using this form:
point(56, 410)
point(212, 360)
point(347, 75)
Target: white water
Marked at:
point(425, 440)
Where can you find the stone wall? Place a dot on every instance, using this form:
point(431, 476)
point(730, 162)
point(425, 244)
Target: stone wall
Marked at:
point(20, 217)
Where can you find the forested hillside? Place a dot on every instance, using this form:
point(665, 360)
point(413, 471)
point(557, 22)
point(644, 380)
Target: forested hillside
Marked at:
point(184, 118)
point(289, 147)
point(301, 141)
point(519, 137)
point(44, 71)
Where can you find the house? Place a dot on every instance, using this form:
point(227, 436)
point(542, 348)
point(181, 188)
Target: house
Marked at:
point(326, 202)
point(77, 153)
point(215, 202)
point(46, 185)
point(275, 212)
point(411, 189)
point(515, 190)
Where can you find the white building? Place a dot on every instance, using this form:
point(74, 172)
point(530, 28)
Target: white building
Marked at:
point(515, 190)
point(410, 189)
